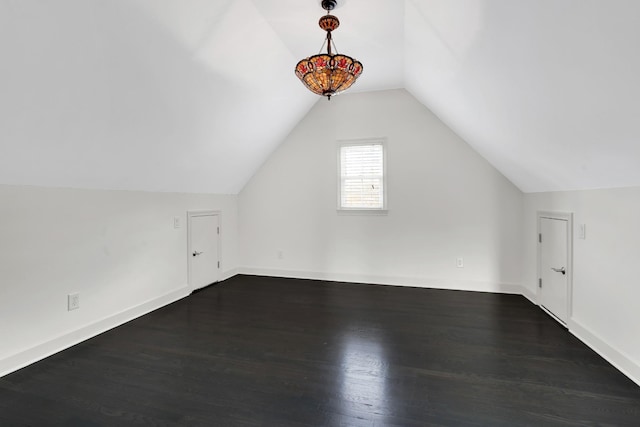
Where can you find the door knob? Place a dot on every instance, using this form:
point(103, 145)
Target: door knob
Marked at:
point(196, 253)
point(559, 270)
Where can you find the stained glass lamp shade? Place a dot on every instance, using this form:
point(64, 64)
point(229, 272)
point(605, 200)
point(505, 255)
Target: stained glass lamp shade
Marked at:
point(328, 74)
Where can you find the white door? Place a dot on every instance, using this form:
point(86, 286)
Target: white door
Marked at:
point(554, 267)
point(204, 262)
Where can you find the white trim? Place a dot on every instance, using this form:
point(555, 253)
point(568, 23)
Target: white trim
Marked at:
point(417, 282)
point(529, 294)
point(24, 358)
point(45, 349)
point(373, 212)
point(618, 359)
point(194, 214)
point(226, 275)
point(564, 216)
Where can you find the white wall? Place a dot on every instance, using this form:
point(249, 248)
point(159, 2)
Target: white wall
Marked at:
point(606, 288)
point(118, 249)
point(445, 201)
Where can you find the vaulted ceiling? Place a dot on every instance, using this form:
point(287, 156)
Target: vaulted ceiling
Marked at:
point(193, 95)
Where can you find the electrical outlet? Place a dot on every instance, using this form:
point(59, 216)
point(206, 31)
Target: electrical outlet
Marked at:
point(73, 302)
point(280, 255)
point(459, 263)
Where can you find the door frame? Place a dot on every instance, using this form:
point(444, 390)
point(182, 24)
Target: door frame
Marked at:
point(190, 216)
point(566, 216)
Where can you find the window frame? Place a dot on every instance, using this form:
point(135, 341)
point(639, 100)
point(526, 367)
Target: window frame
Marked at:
point(382, 141)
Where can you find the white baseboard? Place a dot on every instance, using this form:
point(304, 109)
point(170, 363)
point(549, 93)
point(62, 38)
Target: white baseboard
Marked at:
point(529, 294)
point(617, 358)
point(418, 282)
point(229, 274)
point(24, 358)
point(623, 363)
point(46, 349)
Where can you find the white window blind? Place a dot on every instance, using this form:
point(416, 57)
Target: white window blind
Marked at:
point(362, 176)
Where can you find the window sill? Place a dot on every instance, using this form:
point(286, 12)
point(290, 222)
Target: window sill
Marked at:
point(365, 212)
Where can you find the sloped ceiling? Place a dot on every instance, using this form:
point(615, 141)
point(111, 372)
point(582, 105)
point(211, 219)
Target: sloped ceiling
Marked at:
point(193, 95)
point(546, 90)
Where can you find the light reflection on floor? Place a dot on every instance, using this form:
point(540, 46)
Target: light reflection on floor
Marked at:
point(364, 374)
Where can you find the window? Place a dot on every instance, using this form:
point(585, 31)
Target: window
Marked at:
point(361, 166)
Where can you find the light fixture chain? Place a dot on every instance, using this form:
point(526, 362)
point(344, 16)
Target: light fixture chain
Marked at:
point(334, 46)
point(324, 43)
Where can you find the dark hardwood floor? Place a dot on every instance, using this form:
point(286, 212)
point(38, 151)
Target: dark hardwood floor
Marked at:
point(255, 351)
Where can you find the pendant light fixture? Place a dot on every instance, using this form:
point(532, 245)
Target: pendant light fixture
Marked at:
point(328, 74)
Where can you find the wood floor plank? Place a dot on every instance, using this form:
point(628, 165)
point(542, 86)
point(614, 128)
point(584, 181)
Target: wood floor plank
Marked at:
point(258, 351)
